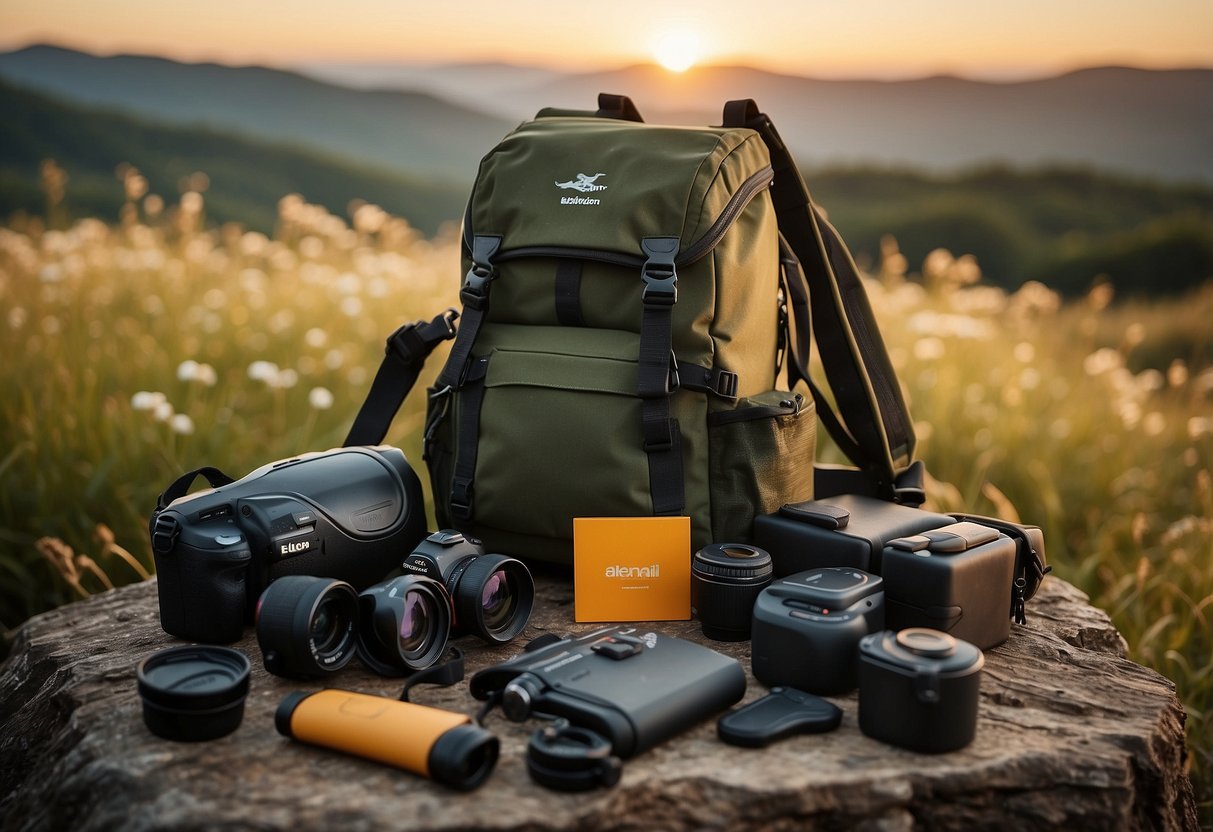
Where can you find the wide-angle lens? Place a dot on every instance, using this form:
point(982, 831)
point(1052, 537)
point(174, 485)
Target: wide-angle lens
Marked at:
point(404, 624)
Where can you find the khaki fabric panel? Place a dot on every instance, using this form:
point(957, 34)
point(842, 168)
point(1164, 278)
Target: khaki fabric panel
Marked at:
point(743, 160)
point(745, 325)
point(759, 464)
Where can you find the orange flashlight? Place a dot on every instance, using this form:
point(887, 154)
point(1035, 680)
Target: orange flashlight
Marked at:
point(442, 745)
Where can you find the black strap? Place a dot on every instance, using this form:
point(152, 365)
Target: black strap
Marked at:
point(475, 297)
point(568, 292)
point(467, 441)
point(832, 480)
point(715, 381)
point(447, 672)
point(877, 433)
point(617, 106)
point(657, 374)
point(1030, 568)
point(404, 355)
point(181, 485)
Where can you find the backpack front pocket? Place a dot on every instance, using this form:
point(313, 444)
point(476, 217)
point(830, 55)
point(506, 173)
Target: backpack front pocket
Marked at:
point(556, 436)
point(761, 457)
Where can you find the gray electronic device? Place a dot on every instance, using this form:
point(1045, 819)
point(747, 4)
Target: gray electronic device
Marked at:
point(634, 686)
point(807, 627)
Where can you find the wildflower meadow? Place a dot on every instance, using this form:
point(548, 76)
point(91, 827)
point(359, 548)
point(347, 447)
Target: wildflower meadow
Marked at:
point(137, 350)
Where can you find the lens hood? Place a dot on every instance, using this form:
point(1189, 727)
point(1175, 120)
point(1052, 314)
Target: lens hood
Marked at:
point(403, 625)
point(493, 597)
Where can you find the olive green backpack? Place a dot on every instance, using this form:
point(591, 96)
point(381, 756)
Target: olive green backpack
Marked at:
point(633, 294)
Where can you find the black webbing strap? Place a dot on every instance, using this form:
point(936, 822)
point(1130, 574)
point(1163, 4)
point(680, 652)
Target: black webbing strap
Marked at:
point(877, 426)
point(404, 355)
point(658, 376)
point(714, 381)
point(1030, 566)
point(449, 671)
point(798, 339)
point(181, 485)
point(467, 440)
point(475, 297)
point(568, 292)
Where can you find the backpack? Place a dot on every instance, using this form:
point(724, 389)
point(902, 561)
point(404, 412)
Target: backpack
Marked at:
point(634, 339)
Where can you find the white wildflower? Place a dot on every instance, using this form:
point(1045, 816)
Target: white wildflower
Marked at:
point(182, 424)
point(320, 398)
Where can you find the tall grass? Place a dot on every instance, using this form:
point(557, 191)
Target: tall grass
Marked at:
point(132, 353)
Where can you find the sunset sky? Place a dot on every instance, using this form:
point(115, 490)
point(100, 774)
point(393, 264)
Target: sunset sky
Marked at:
point(855, 38)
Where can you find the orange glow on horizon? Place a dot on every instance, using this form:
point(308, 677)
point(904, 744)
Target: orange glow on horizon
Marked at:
point(865, 39)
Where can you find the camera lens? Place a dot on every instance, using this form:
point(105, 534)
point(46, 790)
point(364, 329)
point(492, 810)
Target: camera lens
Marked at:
point(493, 596)
point(404, 624)
point(305, 625)
point(725, 581)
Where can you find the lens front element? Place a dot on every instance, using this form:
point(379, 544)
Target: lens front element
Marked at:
point(403, 624)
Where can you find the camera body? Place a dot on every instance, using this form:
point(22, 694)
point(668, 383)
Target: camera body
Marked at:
point(346, 514)
point(807, 628)
point(636, 688)
point(491, 595)
point(443, 556)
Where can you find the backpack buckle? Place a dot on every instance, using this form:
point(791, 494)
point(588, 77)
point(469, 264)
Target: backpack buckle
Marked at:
point(661, 291)
point(413, 342)
point(660, 276)
point(724, 383)
point(475, 290)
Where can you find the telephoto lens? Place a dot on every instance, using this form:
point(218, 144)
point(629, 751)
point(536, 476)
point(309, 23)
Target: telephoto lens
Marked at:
point(403, 625)
point(725, 581)
point(305, 626)
point(493, 596)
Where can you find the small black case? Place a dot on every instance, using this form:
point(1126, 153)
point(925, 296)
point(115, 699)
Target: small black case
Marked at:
point(847, 530)
point(784, 712)
point(956, 579)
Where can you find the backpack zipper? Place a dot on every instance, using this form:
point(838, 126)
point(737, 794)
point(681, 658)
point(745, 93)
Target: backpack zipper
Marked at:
point(755, 184)
point(788, 407)
point(752, 187)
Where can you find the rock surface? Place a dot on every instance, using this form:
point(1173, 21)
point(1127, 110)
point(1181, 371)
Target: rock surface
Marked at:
point(1070, 734)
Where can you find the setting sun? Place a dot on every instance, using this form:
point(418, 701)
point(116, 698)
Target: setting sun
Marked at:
point(677, 51)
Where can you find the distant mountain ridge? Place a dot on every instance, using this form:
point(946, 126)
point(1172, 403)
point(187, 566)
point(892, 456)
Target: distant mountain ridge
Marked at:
point(1153, 123)
point(403, 131)
point(247, 177)
point(1156, 123)
point(1146, 122)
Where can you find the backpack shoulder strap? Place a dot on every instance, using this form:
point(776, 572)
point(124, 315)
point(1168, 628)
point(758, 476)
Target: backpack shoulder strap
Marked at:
point(404, 356)
point(873, 425)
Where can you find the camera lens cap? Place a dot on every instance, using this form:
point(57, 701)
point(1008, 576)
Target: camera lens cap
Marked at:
point(193, 693)
point(570, 759)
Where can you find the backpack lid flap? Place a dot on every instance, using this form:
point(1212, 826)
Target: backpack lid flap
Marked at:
point(604, 185)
